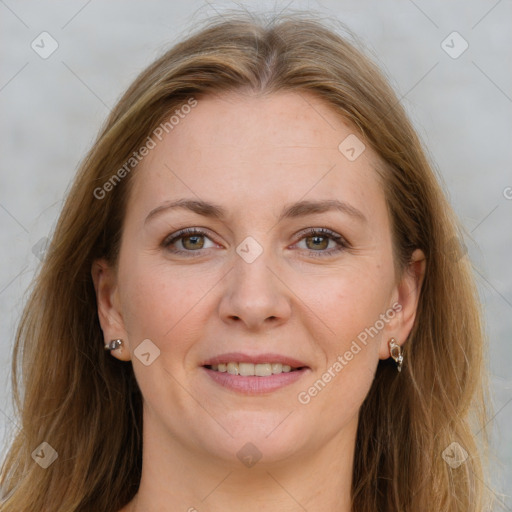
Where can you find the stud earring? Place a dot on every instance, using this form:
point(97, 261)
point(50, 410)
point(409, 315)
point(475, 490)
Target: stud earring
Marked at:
point(113, 345)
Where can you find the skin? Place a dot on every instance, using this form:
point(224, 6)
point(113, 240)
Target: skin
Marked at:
point(253, 155)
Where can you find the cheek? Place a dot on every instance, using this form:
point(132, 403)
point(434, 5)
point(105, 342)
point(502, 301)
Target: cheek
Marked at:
point(358, 311)
point(162, 303)
point(349, 300)
point(351, 307)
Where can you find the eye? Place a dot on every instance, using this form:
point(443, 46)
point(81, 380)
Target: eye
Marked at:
point(322, 242)
point(318, 242)
point(188, 240)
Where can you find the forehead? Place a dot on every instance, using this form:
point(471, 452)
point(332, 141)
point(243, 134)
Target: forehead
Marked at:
point(257, 151)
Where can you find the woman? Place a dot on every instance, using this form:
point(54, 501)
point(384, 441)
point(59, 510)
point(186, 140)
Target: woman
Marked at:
point(259, 243)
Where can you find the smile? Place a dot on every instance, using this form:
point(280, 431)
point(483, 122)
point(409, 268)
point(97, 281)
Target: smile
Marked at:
point(251, 369)
point(250, 383)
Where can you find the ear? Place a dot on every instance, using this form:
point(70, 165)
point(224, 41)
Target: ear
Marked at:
point(406, 294)
point(109, 311)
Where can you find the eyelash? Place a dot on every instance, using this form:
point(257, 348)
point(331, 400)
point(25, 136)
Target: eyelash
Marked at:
point(341, 242)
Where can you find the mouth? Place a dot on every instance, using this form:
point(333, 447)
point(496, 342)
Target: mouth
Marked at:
point(253, 375)
point(252, 369)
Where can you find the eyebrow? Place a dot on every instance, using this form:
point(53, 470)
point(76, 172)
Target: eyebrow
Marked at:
point(294, 210)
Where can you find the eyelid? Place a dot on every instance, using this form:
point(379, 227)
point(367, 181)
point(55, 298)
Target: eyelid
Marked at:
point(183, 233)
point(341, 241)
point(322, 231)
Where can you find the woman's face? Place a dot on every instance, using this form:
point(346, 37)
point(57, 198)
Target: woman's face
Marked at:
point(287, 259)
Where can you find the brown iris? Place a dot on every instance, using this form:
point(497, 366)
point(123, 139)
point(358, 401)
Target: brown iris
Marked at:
point(196, 241)
point(319, 242)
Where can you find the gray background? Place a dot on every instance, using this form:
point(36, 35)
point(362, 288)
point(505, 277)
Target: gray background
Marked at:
point(52, 109)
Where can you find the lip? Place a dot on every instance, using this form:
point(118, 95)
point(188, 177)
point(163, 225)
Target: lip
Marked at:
point(239, 357)
point(253, 385)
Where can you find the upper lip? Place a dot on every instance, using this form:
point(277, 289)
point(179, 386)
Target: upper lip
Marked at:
point(239, 357)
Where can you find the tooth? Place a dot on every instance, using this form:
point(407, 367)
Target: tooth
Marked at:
point(263, 370)
point(232, 368)
point(246, 369)
point(250, 369)
point(277, 367)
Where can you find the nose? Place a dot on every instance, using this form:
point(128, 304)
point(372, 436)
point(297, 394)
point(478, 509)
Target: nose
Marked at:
point(254, 296)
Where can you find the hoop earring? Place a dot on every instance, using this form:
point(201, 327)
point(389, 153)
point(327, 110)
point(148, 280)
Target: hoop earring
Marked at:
point(395, 351)
point(113, 345)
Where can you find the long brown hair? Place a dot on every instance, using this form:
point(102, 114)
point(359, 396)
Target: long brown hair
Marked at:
point(88, 407)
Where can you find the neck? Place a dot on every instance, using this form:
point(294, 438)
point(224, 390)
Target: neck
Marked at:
point(175, 477)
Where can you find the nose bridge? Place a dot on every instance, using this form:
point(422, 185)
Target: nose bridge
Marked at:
point(253, 275)
point(253, 294)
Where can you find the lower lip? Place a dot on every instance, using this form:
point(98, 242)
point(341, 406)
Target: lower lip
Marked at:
point(253, 385)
